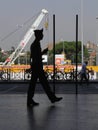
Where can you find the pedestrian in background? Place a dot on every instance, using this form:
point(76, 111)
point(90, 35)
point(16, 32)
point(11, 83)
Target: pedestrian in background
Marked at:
point(83, 72)
point(92, 74)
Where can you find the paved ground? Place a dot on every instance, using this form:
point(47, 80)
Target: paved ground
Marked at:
point(60, 87)
point(74, 112)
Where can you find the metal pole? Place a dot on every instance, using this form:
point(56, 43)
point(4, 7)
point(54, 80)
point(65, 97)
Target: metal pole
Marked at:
point(63, 46)
point(76, 52)
point(96, 46)
point(54, 53)
point(82, 50)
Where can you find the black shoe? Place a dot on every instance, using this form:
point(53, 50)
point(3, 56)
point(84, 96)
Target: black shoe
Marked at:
point(32, 103)
point(56, 99)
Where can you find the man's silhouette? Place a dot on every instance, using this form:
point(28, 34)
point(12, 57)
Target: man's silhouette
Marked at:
point(38, 72)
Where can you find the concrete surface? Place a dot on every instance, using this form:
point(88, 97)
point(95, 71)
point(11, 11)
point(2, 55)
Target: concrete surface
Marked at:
point(74, 112)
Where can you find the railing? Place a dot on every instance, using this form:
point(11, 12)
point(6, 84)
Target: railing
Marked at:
point(18, 74)
point(25, 74)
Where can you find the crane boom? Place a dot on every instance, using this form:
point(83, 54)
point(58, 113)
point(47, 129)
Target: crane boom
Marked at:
point(26, 39)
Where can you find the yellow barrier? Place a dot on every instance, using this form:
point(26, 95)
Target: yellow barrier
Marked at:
point(14, 68)
point(95, 68)
point(66, 68)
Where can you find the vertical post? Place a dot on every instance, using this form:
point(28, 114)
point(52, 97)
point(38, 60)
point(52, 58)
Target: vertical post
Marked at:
point(54, 53)
point(76, 52)
point(97, 46)
point(82, 50)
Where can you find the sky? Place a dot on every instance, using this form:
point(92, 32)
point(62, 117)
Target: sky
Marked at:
point(16, 12)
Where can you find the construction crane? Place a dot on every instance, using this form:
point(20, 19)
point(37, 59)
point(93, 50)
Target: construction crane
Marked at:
point(10, 60)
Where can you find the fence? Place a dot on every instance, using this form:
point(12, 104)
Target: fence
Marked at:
point(10, 74)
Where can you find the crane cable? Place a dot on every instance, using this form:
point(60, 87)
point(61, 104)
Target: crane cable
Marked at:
point(18, 28)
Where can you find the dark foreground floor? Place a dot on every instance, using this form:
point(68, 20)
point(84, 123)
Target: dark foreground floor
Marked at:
point(72, 113)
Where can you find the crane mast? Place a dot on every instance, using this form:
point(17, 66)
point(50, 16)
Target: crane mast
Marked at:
point(26, 39)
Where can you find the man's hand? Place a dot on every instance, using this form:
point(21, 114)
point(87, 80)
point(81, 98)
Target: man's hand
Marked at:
point(44, 51)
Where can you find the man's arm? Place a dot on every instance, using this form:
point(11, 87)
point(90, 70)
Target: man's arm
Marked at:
point(44, 51)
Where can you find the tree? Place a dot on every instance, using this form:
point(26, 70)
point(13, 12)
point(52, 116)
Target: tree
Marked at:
point(70, 50)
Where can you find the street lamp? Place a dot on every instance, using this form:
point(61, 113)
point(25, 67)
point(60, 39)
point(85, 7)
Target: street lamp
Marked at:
point(63, 47)
point(63, 44)
point(97, 46)
point(82, 32)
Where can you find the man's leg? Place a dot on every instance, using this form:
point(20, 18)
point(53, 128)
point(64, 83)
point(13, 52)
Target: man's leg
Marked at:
point(31, 90)
point(47, 88)
point(81, 79)
point(86, 79)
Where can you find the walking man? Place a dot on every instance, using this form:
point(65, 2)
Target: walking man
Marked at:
point(38, 72)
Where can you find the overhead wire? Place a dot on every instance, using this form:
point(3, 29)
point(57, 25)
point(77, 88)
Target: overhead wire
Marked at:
point(46, 32)
point(18, 28)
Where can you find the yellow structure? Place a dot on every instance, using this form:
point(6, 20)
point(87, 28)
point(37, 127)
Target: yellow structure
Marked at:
point(65, 68)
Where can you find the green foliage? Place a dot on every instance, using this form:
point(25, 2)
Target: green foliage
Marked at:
point(70, 50)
